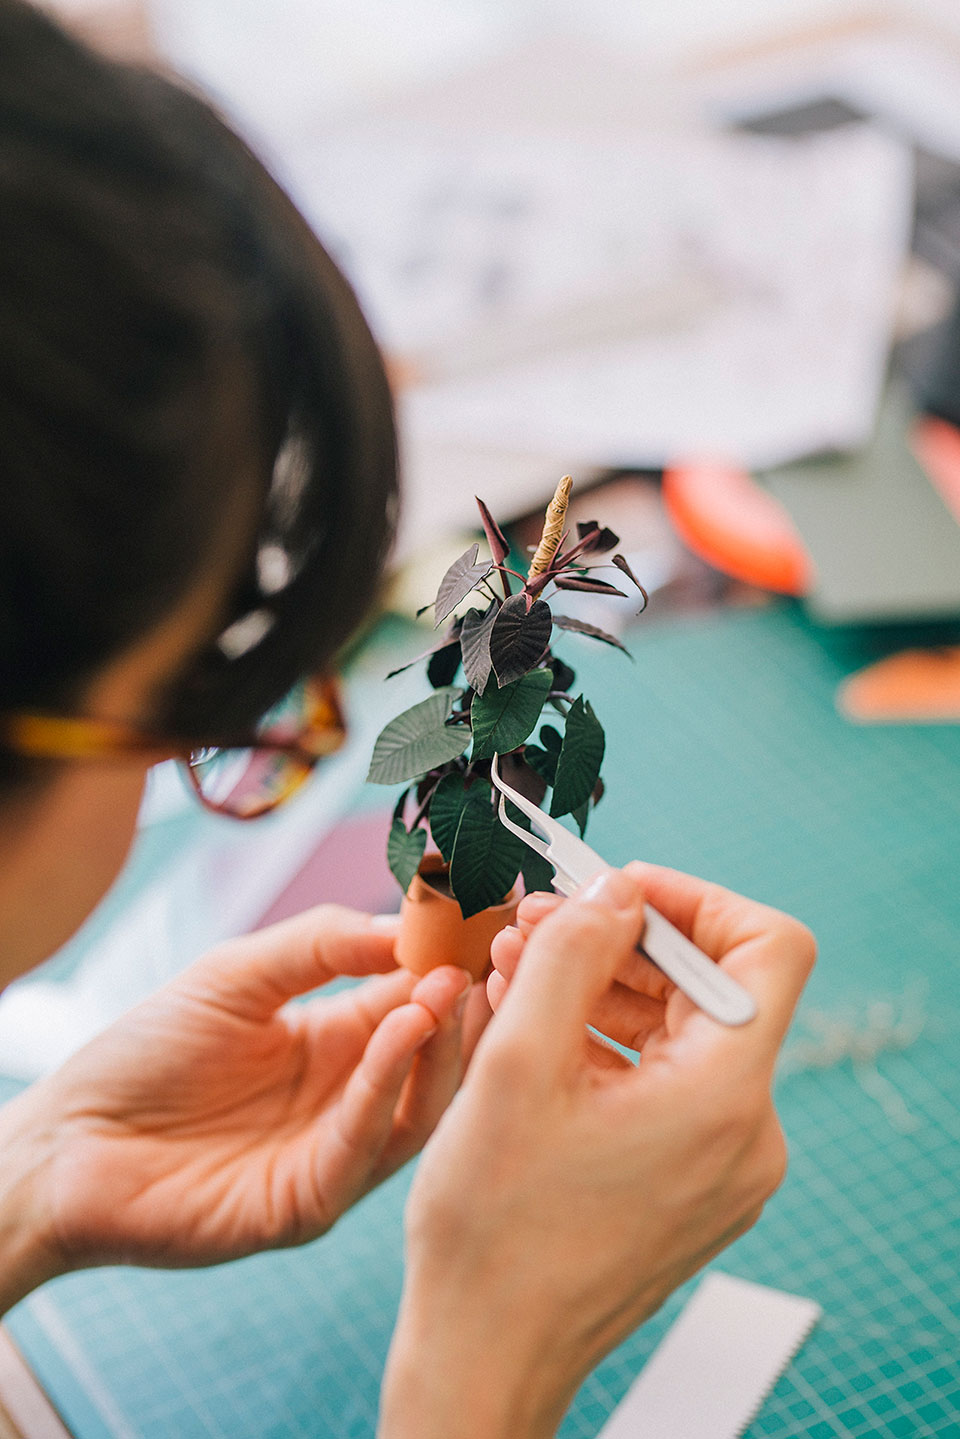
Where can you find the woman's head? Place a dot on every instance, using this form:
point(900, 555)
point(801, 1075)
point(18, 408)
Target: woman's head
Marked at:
point(197, 453)
point(185, 381)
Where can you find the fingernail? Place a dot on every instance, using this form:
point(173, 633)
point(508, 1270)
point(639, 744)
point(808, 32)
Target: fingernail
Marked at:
point(460, 1003)
point(612, 888)
point(387, 923)
point(428, 1036)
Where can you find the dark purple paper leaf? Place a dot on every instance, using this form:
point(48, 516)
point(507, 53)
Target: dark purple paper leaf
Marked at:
point(600, 540)
point(564, 622)
point(593, 587)
point(543, 762)
point(622, 565)
point(475, 645)
point(564, 678)
point(463, 576)
point(444, 664)
point(448, 639)
point(551, 738)
point(519, 638)
point(496, 539)
point(523, 777)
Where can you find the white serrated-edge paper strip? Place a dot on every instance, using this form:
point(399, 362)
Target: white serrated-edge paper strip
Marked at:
point(716, 1364)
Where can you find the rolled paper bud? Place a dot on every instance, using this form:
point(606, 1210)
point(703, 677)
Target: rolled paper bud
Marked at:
point(552, 528)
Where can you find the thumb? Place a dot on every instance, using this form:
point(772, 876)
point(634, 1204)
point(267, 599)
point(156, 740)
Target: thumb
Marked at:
point(253, 976)
point(569, 962)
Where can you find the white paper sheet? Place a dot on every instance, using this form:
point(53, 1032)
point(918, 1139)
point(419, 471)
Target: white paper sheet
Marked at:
point(624, 302)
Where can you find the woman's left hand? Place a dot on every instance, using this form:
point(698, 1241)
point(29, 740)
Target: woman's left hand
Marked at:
point(216, 1118)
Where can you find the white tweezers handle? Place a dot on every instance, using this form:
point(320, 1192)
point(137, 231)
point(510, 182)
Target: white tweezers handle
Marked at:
point(710, 987)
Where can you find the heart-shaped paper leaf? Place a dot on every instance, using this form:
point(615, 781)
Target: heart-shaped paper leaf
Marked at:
point(564, 622)
point(486, 857)
point(463, 576)
point(404, 852)
point(519, 637)
point(503, 718)
point(417, 740)
point(578, 767)
point(475, 646)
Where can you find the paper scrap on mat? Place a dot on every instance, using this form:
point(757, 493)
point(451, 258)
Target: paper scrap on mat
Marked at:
point(716, 1364)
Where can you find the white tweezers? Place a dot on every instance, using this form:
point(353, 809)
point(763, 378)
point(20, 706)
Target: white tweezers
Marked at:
point(702, 981)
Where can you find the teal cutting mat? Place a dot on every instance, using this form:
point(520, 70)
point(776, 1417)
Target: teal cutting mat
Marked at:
point(733, 764)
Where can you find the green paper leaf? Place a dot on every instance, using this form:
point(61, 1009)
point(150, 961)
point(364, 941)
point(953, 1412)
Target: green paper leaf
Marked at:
point(475, 645)
point(418, 740)
point(551, 738)
point(537, 872)
point(485, 858)
point(446, 806)
point(404, 852)
point(581, 814)
point(501, 719)
point(519, 637)
point(578, 767)
point(463, 576)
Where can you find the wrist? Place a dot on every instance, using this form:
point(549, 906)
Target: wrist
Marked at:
point(458, 1375)
point(29, 1255)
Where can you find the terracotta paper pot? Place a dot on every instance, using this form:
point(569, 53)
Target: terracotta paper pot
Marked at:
point(433, 931)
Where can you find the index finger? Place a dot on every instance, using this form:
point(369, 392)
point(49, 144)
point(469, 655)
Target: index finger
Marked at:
point(770, 953)
point(256, 974)
point(568, 964)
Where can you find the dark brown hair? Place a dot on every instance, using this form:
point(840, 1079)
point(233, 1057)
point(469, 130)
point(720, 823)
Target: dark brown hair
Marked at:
point(170, 331)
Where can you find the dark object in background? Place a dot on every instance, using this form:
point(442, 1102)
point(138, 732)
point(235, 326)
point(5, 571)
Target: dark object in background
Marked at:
point(939, 387)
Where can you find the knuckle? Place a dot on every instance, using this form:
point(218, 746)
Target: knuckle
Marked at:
point(802, 942)
point(771, 1164)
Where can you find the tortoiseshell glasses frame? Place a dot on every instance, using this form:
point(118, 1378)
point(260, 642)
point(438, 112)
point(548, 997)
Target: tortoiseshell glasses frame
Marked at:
point(245, 779)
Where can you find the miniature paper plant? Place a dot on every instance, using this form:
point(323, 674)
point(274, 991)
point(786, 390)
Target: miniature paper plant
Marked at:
point(498, 688)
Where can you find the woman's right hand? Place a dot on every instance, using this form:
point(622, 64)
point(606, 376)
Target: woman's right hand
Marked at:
point(567, 1192)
